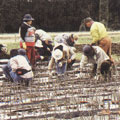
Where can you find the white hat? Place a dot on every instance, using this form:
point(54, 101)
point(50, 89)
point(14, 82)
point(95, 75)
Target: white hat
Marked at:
point(38, 43)
point(57, 54)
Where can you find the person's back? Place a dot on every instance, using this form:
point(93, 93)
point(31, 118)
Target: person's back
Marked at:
point(96, 56)
point(100, 55)
point(42, 34)
point(98, 29)
point(61, 38)
point(43, 45)
point(20, 62)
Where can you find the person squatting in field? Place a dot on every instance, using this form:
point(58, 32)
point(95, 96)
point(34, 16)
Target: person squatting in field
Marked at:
point(61, 54)
point(69, 40)
point(18, 68)
point(43, 45)
point(27, 38)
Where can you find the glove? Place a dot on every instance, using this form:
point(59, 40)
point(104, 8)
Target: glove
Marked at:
point(60, 64)
point(24, 45)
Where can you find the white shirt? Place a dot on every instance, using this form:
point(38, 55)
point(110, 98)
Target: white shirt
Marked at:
point(43, 35)
point(20, 61)
point(99, 57)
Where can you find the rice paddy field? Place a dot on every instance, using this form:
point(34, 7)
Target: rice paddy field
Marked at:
point(69, 97)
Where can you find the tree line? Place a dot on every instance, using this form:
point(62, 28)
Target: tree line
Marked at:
point(58, 15)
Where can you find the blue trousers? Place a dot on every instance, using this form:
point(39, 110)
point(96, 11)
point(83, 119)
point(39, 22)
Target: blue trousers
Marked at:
point(12, 76)
point(61, 69)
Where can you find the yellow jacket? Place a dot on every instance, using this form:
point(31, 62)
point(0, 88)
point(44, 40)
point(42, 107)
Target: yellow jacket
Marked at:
point(98, 31)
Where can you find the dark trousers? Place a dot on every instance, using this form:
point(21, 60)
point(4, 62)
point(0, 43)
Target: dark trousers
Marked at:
point(44, 52)
point(6, 71)
point(69, 65)
point(61, 69)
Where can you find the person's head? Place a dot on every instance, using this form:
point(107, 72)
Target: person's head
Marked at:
point(88, 51)
point(88, 22)
point(28, 18)
point(58, 53)
point(105, 67)
point(22, 51)
point(3, 48)
point(73, 37)
point(13, 52)
point(70, 41)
